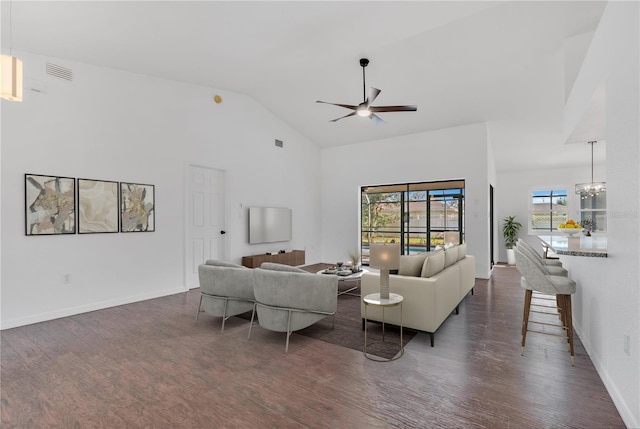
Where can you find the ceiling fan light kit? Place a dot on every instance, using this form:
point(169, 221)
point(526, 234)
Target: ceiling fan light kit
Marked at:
point(365, 109)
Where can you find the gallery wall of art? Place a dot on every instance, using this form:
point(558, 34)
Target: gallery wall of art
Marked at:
point(109, 128)
point(63, 205)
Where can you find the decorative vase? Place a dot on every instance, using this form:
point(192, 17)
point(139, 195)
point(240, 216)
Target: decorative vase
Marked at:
point(511, 256)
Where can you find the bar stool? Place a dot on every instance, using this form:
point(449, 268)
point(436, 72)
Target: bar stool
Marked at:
point(546, 249)
point(552, 270)
point(535, 280)
point(544, 259)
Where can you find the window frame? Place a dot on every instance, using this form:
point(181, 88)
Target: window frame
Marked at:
point(453, 189)
point(533, 230)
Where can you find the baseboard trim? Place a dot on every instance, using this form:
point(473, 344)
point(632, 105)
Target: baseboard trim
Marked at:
point(72, 311)
point(618, 400)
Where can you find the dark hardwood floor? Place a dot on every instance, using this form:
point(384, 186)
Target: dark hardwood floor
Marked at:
point(149, 365)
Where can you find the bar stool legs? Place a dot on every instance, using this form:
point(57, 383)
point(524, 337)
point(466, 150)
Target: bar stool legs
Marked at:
point(564, 311)
point(525, 317)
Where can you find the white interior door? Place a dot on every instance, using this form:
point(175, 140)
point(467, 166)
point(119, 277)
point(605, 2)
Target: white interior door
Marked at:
point(205, 220)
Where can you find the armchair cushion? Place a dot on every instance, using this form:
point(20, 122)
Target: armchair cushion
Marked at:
point(219, 263)
point(281, 267)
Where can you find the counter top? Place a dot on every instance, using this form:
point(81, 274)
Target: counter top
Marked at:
point(595, 246)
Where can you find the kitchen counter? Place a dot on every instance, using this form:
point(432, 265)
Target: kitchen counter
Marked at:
point(595, 246)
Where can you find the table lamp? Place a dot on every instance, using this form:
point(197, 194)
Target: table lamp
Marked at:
point(384, 257)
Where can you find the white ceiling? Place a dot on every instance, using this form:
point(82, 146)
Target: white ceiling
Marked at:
point(460, 62)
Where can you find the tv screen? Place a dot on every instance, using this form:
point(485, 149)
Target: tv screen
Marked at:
point(269, 224)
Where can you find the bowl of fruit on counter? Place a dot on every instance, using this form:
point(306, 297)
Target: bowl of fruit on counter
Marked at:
point(570, 228)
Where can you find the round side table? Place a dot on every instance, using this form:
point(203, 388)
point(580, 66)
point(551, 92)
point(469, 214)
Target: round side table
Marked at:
point(394, 300)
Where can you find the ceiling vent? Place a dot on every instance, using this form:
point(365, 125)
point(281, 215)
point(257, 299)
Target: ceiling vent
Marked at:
point(60, 72)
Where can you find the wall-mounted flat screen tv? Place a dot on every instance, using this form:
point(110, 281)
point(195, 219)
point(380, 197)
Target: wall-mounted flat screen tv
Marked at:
point(269, 224)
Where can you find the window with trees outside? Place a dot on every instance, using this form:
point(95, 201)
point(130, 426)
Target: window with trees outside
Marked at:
point(548, 209)
point(419, 216)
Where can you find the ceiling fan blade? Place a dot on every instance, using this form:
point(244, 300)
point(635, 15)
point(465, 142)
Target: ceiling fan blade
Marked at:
point(346, 106)
point(373, 94)
point(393, 108)
point(342, 117)
point(377, 119)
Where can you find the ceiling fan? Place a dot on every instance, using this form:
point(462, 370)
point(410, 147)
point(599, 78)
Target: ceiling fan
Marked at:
point(365, 108)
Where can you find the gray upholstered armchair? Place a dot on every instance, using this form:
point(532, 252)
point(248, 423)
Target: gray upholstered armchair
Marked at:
point(289, 299)
point(226, 289)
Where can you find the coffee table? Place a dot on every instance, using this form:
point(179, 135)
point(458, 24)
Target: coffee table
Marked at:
point(355, 277)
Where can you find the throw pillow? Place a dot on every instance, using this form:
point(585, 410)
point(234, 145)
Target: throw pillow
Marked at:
point(411, 265)
point(433, 264)
point(450, 256)
point(462, 251)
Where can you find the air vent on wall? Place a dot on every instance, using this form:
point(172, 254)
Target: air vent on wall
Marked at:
point(60, 72)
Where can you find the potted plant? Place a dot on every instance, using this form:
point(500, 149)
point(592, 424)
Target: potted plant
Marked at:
point(510, 232)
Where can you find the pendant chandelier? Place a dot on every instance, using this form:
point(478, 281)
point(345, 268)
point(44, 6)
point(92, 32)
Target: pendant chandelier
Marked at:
point(591, 189)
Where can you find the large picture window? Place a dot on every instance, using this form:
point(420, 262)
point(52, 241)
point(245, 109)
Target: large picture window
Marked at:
point(419, 216)
point(548, 209)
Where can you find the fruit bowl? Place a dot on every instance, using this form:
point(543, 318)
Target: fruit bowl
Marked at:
point(571, 231)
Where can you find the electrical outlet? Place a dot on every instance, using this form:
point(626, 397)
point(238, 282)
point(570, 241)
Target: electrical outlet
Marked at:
point(66, 278)
point(627, 344)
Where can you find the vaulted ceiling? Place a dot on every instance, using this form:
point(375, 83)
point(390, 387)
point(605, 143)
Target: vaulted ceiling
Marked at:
point(510, 64)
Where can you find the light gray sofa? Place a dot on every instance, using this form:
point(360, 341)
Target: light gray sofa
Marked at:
point(288, 299)
point(226, 289)
point(433, 284)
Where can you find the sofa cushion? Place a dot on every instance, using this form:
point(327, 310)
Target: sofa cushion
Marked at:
point(411, 265)
point(450, 256)
point(281, 267)
point(433, 264)
point(462, 251)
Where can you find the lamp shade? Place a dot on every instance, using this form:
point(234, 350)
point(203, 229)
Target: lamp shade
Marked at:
point(384, 256)
point(11, 76)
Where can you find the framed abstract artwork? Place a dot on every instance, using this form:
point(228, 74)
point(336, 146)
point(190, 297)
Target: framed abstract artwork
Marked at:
point(97, 206)
point(137, 207)
point(50, 205)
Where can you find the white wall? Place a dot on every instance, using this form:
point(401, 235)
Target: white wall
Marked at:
point(453, 153)
point(606, 304)
point(513, 195)
point(620, 302)
point(120, 126)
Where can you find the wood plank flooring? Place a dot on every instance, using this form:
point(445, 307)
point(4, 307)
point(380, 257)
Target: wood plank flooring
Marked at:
point(148, 364)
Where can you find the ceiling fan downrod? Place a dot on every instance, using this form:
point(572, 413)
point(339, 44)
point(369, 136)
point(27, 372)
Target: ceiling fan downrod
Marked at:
point(363, 63)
